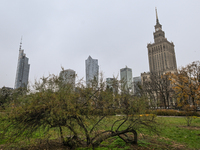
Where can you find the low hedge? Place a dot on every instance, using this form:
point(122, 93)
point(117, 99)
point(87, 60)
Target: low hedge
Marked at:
point(171, 112)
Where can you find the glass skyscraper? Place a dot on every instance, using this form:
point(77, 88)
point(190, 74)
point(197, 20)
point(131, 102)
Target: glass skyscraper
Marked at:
point(92, 70)
point(126, 78)
point(23, 67)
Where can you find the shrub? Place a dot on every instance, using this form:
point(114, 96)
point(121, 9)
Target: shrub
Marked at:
point(171, 112)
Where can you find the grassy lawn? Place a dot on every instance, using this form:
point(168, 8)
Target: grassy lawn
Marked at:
point(174, 134)
point(175, 129)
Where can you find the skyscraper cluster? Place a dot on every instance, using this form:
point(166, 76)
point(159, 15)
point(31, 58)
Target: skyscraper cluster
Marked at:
point(161, 57)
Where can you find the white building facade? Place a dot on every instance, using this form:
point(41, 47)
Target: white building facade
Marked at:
point(92, 70)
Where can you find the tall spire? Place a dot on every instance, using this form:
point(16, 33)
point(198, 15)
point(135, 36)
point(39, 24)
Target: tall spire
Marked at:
point(20, 46)
point(157, 21)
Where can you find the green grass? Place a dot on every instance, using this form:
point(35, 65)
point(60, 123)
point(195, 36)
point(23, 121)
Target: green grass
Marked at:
point(173, 130)
point(115, 143)
point(143, 143)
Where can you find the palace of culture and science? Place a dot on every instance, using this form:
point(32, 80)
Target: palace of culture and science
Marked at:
point(161, 53)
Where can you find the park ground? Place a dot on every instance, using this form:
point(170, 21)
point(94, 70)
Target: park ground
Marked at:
point(174, 134)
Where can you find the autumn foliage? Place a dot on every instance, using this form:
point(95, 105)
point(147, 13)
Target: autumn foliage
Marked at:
point(186, 84)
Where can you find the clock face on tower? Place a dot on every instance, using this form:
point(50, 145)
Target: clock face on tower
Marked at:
point(158, 28)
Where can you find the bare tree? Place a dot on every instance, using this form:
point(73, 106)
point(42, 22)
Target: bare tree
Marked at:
point(158, 89)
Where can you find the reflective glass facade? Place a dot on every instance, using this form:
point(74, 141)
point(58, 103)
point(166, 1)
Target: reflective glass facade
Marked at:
point(22, 73)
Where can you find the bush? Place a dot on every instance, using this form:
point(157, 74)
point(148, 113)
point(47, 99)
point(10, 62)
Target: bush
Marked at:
point(171, 112)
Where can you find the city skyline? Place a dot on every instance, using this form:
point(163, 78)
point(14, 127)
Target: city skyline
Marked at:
point(63, 34)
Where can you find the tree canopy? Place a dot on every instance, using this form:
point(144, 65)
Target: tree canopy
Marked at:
point(186, 84)
point(78, 113)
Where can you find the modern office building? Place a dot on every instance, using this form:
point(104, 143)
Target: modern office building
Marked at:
point(161, 53)
point(136, 82)
point(23, 68)
point(112, 83)
point(68, 76)
point(126, 79)
point(109, 82)
point(92, 70)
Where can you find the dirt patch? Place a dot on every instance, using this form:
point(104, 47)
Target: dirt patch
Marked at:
point(165, 143)
point(190, 127)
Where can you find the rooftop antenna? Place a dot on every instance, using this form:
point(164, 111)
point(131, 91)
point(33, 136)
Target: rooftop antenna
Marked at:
point(20, 44)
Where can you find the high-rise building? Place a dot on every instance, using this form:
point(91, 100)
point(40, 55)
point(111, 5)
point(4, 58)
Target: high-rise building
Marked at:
point(23, 67)
point(136, 81)
point(109, 82)
point(68, 77)
point(126, 78)
point(112, 83)
point(92, 70)
point(162, 60)
point(161, 53)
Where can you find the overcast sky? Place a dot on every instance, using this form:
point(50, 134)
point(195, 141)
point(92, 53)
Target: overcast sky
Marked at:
point(116, 32)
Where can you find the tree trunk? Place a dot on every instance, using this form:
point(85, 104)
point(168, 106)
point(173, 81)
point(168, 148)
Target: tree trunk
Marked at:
point(61, 135)
point(118, 133)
